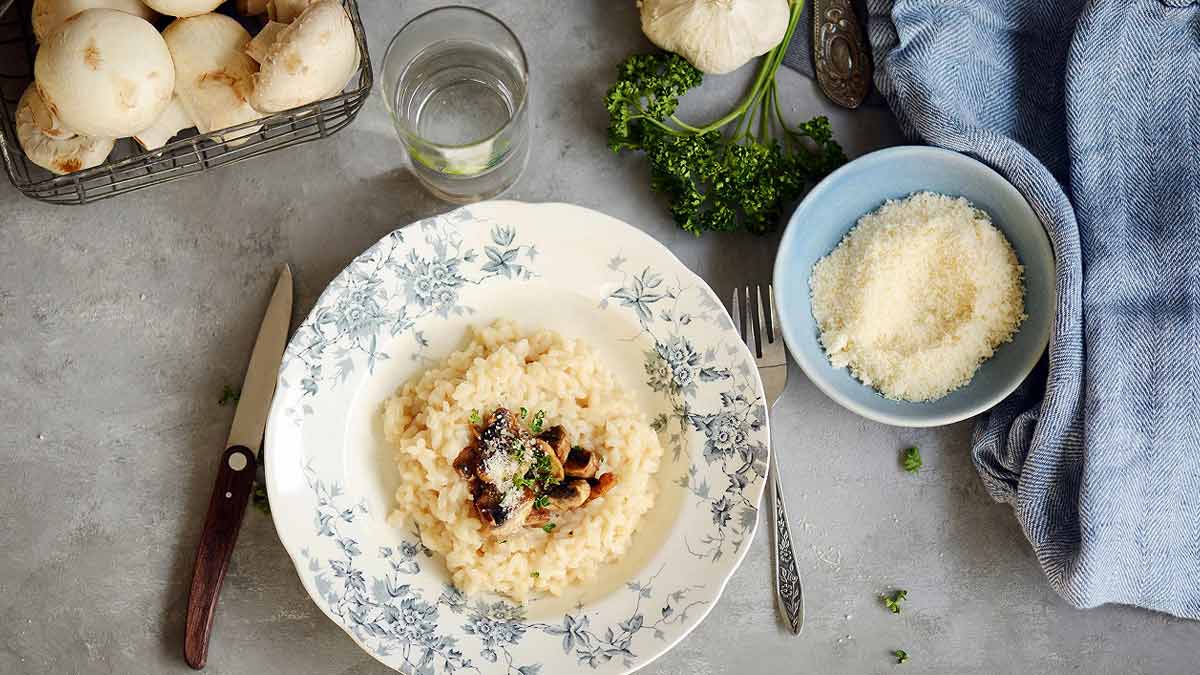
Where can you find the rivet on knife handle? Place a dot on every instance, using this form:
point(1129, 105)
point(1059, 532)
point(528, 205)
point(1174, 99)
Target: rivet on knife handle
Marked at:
point(839, 53)
point(231, 493)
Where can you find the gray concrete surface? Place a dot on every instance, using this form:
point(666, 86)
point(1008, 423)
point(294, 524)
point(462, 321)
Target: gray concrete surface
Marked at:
point(121, 321)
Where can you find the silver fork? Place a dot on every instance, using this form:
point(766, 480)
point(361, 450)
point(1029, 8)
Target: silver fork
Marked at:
point(765, 342)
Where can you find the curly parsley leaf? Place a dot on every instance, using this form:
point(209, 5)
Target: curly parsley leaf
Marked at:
point(911, 458)
point(893, 602)
point(259, 499)
point(548, 528)
point(735, 173)
point(539, 420)
point(901, 655)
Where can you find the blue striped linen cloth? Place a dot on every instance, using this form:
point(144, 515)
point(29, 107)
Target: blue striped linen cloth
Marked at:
point(1092, 110)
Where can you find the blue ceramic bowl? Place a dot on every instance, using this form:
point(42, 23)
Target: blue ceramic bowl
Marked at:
point(861, 186)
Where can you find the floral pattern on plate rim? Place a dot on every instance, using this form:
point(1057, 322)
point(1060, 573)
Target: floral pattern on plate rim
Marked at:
point(449, 633)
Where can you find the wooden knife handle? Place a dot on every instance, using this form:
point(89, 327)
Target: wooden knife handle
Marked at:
point(231, 493)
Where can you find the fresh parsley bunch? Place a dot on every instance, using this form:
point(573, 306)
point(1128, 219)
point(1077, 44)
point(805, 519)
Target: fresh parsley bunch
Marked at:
point(736, 172)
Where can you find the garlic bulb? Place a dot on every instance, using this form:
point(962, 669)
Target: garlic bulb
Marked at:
point(717, 36)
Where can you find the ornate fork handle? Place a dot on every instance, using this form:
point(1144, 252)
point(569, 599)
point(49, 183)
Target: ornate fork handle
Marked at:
point(788, 592)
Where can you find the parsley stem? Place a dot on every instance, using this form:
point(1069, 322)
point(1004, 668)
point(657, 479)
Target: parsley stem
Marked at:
point(779, 112)
point(665, 127)
point(684, 125)
point(766, 73)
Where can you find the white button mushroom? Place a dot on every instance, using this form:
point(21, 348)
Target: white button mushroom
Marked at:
point(312, 58)
point(49, 14)
point(717, 36)
point(213, 74)
point(105, 73)
point(183, 8)
point(57, 155)
point(173, 120)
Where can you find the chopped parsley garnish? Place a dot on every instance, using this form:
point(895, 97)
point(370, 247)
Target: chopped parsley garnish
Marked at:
point(229, 395)
point(522, 482)
point(541, 502)
point(475, 418)
point(517, 451)
point(535, 574)
point(542, 469)
point(901, 655)
point(893, 602)
point(539, 419)
point(524, 412)
point(911, 459)
point(259, 499)
point(548, 528)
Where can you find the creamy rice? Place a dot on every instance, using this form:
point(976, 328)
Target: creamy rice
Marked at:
point(427, 422)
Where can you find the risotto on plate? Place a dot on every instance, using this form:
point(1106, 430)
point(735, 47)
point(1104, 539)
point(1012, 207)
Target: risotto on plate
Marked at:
point(522, 461)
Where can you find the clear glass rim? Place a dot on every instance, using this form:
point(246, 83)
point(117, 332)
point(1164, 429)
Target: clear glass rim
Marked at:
point(401, 122)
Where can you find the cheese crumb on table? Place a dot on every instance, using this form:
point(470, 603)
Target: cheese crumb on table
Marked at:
point(917, 295)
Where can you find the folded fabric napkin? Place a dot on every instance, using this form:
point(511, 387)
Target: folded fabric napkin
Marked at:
point(1090, 108)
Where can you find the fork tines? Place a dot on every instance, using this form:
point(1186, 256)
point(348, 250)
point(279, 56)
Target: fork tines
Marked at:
point(756, 318)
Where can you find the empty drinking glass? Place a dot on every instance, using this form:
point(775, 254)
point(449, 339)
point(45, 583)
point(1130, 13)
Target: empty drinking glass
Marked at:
point(455, 80)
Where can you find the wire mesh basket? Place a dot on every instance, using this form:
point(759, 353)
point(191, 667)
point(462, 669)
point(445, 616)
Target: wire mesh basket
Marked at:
point(128, 167)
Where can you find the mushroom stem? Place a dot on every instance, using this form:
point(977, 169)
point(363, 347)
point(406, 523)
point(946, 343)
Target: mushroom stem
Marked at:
point(260, 44)
point(173, 120)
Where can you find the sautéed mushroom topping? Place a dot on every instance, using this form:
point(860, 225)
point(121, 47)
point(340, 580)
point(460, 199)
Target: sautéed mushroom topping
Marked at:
point(523, 475)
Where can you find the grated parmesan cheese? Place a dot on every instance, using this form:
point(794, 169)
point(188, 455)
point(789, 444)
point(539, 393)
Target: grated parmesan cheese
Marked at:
point(917, 295)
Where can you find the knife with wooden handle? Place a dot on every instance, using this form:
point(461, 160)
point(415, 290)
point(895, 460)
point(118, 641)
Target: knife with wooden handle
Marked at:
point(235, 477)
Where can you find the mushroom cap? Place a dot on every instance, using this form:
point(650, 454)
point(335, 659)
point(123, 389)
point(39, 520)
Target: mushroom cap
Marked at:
point(49, 14)
point(57, 155)
point(105, 73)
point(183, 8)
point(213, 74)
point(47, 123)
point(716, 36)
point(311, 59)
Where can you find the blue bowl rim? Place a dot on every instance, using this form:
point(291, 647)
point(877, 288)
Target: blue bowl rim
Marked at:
point(812, 370)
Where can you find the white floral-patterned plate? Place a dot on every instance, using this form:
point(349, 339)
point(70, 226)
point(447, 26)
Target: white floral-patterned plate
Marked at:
point(408, 301)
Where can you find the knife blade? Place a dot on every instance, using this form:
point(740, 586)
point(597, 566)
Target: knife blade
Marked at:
point(235, 475)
